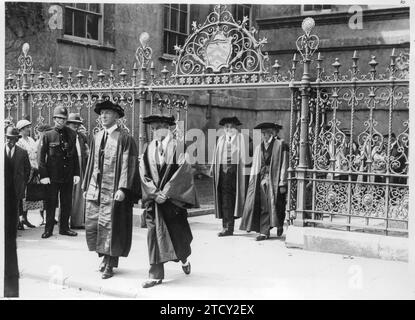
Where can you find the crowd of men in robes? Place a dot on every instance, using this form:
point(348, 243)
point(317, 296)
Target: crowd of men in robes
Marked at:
point(96, 184)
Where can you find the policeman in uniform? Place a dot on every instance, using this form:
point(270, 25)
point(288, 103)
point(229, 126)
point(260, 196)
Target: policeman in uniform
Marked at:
point(59, 167)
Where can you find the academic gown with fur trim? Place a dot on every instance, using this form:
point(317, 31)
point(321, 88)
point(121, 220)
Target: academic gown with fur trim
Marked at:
point(169, 235)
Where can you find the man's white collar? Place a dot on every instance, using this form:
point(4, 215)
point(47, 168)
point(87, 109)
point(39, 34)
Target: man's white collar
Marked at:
point(112, 129)
point(229, 136)
point(165, 141)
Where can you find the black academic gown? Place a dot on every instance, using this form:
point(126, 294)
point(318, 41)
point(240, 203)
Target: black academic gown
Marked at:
point(169, 235)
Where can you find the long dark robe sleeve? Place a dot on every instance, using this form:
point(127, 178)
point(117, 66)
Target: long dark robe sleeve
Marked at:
point(181, 188)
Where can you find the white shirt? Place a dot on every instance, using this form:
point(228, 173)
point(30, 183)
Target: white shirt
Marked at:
point(266, 144)
point(8, 151)
point(162, 147)
point(112, 129)
point(230, 139)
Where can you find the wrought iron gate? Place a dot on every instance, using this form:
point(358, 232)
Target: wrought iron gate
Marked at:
point(346, 170)
point(349, 155)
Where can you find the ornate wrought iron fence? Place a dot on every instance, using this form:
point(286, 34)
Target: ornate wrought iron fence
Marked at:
point(353, 149)
point(33, 95)
point(348, 163)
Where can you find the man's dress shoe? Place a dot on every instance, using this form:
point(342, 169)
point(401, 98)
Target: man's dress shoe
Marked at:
point(46, 235)
point(261, 237)
point(225, 233)
point(68, 233)
point(20, 226)
point(108, 272)
point(280, 231)
point(151, 283)
point(186, 268)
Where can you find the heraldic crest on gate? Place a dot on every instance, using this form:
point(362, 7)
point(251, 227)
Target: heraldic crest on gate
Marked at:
point(220, 51)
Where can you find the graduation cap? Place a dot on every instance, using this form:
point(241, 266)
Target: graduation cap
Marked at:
point(268, 125)
point(159, 118)
point(233, 120)
point(108, 105)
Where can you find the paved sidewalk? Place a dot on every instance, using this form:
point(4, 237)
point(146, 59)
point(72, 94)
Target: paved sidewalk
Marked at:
point(235, 267)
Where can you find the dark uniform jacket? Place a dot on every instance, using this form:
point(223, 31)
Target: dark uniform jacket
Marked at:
point(58, 159)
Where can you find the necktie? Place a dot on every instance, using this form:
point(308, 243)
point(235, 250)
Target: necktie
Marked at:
point(101, 150)
point(104, 140)
point(9, 153)
point(159, 153)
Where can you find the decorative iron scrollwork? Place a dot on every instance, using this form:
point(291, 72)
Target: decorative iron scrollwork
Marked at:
point(220, 51)
point(307, 43)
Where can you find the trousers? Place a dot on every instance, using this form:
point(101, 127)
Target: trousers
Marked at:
point(65, 196)
point(227, 198)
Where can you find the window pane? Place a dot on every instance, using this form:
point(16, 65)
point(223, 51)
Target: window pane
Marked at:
point(166, 17)
point(175, 6)
point(172, 42)
point(326, 6)
point(174, 19)
point(82, 6)
point(308, 7)
point(182, 40)
point(183, 22)
point(94, 7)
point(317, 7)
point(165, 41)
point(183, 7)
point(68, 21)
point(240, 14)
point(79, 24)
point(92, 27)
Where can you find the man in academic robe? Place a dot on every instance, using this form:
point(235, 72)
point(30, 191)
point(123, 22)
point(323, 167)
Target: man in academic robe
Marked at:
point(16, 176)
point(59, 167)
point(228, 175)
point(265, 199)
point(78, 202)
point(168, 191)
point(111, 187)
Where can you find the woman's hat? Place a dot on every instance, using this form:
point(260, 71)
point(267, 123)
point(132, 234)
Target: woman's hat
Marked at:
point(159, 118)
point(108, 105)
point(22, 123)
